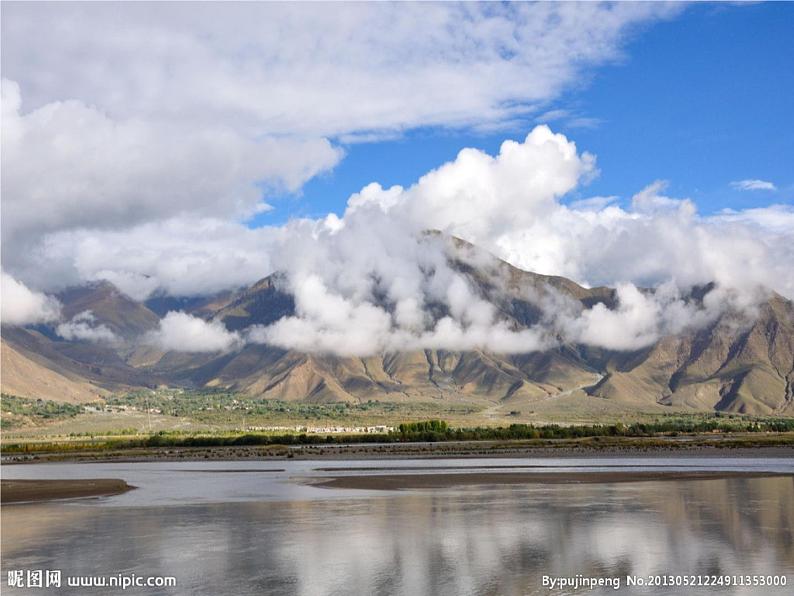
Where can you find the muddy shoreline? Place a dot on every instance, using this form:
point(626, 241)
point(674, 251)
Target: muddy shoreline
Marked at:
point(449, 480)
point(386, 451)
point(24, 491)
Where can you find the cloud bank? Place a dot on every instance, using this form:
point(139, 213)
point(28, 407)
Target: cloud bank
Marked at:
point(511, 205)
point(84, 327)
point(328, 321)
point(182, 332)
point(127, 172)
point(20, 305)
point(146, 114)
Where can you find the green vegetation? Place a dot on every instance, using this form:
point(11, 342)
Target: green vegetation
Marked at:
point(230, 408)
point(220, 418)
point(440, 431)
point(436, 426)
point(21, 411)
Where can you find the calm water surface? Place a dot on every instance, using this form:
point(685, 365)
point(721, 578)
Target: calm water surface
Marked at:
point(238, 528)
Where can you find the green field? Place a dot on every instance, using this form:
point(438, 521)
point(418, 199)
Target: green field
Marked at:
point(178, 416)
point(177, 410)
point(21, 412)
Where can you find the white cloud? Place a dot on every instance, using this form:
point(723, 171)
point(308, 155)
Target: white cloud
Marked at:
point(777, 219)
point(83, 326)
point(649, 201)
point(69, 166)
point(20, 305)
point(181, 256)
point(327, 321)
point(753, 184)
point(631, 325)
point(370, 281)
point(182, 332)
point(129, 114)
point(320, 70)
point(584, 123)
point(639, 319)
point(480, 197)
point(510, 204)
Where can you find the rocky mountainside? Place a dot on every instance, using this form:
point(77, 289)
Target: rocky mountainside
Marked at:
point(122, 315)
point(745, 367)
point(722, 368)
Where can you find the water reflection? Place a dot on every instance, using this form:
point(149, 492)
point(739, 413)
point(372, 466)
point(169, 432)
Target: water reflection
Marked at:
point(470, 540)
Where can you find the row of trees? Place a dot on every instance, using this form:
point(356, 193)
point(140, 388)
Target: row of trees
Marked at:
point(438, 430)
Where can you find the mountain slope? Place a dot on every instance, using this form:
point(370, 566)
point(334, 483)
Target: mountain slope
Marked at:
point(724, 367)
point(121, 314)
point(734, 364)
point(261, 304)
point(42, 379)
point(744, 369)
point(99, 366)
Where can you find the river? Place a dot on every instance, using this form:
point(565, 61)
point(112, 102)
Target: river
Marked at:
point(240, 527)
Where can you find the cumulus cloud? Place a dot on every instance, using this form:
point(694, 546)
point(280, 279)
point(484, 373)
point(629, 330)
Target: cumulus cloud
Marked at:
point(182, 332)
point(84, 327)
point(327, 321)
point(22, 306)
point(129, 172)
point(480, 198)
point(639, 319)
point(180, 256)
point(753, 184)
point(372, 281)
point(511, 205)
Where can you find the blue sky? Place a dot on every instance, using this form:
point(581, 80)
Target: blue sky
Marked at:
point(701, 100)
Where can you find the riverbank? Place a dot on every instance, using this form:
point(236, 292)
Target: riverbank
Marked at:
point(708, 445)
point(19, 491)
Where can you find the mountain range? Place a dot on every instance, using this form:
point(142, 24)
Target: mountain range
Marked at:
point(745, 367)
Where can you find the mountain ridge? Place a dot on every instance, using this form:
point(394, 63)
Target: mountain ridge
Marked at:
point(721, 366)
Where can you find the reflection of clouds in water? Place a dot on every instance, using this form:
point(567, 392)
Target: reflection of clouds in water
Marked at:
point(463, 541)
